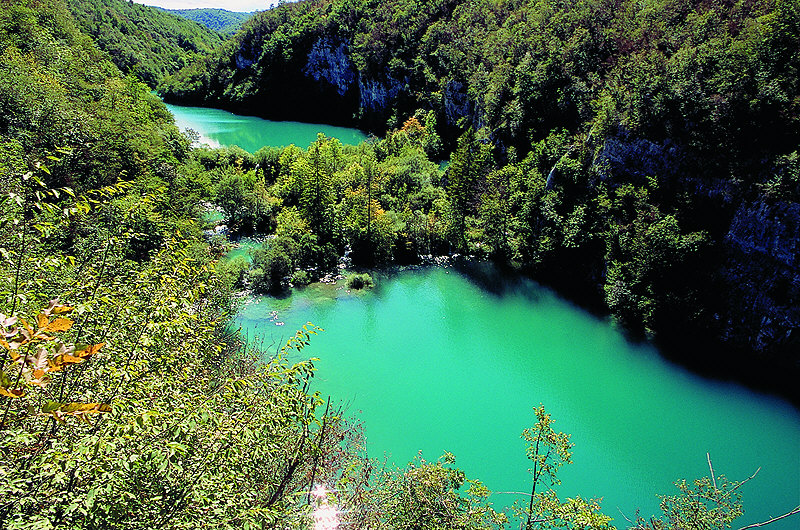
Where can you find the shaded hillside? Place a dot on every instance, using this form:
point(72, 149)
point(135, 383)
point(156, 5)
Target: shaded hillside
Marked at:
point(661, 176)
point(220, 20)
point(143, 40)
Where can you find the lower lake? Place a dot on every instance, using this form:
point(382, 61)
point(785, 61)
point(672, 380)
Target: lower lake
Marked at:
point(438, 359)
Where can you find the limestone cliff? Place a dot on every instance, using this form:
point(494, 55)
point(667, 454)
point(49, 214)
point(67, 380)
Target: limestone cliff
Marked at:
point(763, 277)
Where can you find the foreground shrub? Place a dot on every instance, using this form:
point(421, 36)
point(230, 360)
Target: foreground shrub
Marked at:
point(360, 281)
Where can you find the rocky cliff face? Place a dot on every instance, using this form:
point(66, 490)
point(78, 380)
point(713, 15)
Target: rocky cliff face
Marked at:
point(763, 275)
point(638, 158)
point(759, 270)
point(329, 62)
point(456, 102)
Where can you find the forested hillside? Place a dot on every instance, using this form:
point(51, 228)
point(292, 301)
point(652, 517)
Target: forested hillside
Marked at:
point(123, 403)
point(639, 155)
point(146, 41)
point(220, 20)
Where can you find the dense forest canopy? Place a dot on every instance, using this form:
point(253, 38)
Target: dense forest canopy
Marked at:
point(148, 42)
point(125, 399)
point(220, 20)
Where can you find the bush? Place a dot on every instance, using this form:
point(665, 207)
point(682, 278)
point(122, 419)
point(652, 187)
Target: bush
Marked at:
point(301, 278)
point(270, 266)
point(360, 281)
point(233, 271)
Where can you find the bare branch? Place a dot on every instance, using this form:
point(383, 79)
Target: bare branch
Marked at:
point(512, 493)
point(623, 515)
point(751, 477)
point(710, 467)
point(765, 523)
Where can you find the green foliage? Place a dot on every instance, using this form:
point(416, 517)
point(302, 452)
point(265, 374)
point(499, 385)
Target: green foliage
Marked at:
point(272, 266)
point(425, 495)
point(244, 200)
point(142, 40)
point(301, 277)
point(549, 450)
point(233, 272)
point(706, 503)
point(360, 281)
point(210, 429)
point(221, 20)
point(468, 167)
point(58, 91)
point(649, 259)
point(126, 400)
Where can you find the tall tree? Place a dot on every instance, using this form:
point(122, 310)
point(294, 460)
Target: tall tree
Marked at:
point(468, 167)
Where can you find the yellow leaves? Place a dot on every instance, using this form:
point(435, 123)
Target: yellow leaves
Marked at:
point(70, 355)
point(86, 408)
point(12, 392)
point(78, 410)
point(37, 378)
point(88, 351)
point(59, 361)
point(37, 361)
point(56, 326)
point(17, 333)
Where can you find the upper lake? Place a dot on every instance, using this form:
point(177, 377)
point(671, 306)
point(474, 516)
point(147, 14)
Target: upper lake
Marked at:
point(438, 360)
point(222, 128)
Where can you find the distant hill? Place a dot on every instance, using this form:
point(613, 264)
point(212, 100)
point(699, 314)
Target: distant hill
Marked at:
point(221, 20)
point(150, 42)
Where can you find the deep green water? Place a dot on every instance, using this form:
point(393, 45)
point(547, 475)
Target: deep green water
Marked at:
point(222, 128)
point(432, 361)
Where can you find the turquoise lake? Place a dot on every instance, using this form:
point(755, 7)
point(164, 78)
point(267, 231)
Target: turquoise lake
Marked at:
point(430, 361)
point(222, 128)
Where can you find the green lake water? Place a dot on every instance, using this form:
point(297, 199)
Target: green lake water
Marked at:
point(222, 128)
point(432, 361)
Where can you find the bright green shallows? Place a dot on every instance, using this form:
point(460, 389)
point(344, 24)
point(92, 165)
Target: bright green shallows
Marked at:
point(431, 361)
point(221, 128)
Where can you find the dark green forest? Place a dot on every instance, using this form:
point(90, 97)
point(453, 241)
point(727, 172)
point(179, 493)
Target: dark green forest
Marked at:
point(220, 20)
point(126, 401)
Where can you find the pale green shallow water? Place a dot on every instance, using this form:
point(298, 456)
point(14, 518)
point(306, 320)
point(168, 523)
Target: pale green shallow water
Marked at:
point(222, 128)
point(431, 361)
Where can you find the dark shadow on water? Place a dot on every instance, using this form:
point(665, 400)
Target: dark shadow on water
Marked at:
point(689, 349)
point(497, 280)
point(721, 363)
point(502, 280)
